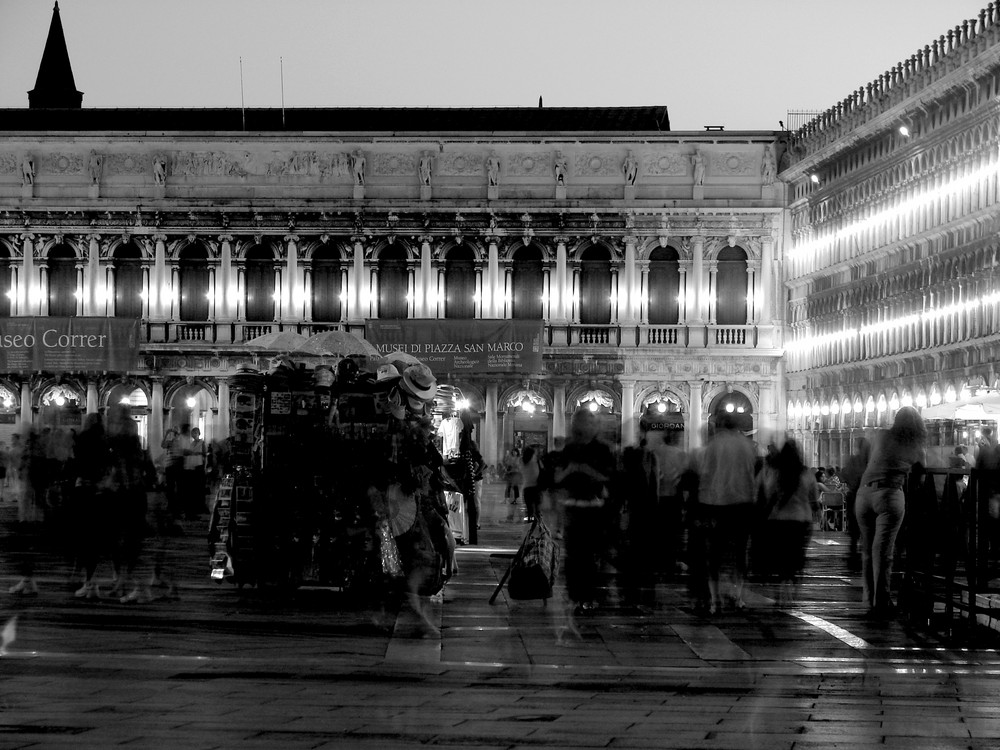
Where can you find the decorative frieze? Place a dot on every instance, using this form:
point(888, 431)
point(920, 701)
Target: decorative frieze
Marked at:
point(529, 164)
point(60, 163)
point(735, 163)
point(597, 165)
point(126, 164)
point(674, 164)
point(394, 164)
point(460, 164)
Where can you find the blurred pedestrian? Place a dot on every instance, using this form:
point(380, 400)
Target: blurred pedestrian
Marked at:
point(639, 545)
point(672, 464)
point(788, 496)
point(194, 475)
point(133, 475)
point(582, 471)
point(881, 503)
point(530, 469)
point(726, 496)
point(93, 502)
point(853, 470)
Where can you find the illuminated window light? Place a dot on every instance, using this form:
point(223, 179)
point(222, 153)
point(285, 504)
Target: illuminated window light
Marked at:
point(935, 398)
point(124, 400)
point(8, 402)
point(528, 406)
point(921, 401)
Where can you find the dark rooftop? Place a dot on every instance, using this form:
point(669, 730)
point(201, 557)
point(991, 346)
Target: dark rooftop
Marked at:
point(343, 119)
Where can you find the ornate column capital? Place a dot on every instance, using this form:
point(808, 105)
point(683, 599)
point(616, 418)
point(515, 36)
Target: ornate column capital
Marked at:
point(226, 238)
point(26, 237)
point(93, 237)
point(291, 238)
point(159, 238)
point(358, 239)
point(561, 239)
point(426, 239)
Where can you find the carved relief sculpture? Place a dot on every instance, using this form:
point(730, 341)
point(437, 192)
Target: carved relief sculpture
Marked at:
point(560, 169)
point(27, 170)
point(95, 166)
point(767, 166)
point(424, 168)
point(493, 169)
point(358, 167)
point(159, 170)
point(630, 168)
point(698, 168)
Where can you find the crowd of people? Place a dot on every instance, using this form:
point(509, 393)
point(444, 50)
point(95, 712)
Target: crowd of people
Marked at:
point(630, 518)
point(94, 496)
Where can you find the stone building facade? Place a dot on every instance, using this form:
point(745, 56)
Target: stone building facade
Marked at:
point(651, 257)
point(891, 258)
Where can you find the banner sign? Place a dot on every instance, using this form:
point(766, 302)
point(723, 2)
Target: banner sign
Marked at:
point(68, 344)
point(463, 346)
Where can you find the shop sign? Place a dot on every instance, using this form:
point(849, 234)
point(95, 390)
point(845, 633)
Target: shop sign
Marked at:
point(463, 346)
point(68, 344)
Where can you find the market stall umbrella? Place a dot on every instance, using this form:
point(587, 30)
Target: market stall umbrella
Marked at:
point(277, 341)
point(337, 344)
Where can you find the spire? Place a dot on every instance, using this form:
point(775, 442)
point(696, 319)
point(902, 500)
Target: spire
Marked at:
point(55, 87)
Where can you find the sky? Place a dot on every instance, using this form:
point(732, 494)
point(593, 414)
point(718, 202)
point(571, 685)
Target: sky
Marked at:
point(741, 64)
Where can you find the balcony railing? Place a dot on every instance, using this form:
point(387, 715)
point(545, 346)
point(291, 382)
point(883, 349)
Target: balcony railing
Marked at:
point(571, 335)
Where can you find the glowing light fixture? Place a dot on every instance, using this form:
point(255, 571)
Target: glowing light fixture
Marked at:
point(592, 406)
point(190, 402)
point(904, 131)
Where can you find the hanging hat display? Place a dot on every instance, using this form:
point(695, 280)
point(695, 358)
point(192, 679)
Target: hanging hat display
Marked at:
point(419, 381)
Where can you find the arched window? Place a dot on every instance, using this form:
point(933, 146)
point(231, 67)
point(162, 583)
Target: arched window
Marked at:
point(6, 282)
point(259, 279)
point(392, 283)
point(326, 285)
point(460, 283)
point(62, 281)
point(192, 268)
point(664, 287)
point(595, 286)
point(731, 288)
point(527, 284)
point(127, 270)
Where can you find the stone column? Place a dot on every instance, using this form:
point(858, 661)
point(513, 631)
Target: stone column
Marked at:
point(357, 283)
point(107, 306)
point(558, 410)
point(156, 419)
point(575, 296)
point(79, 294)
point(629, 424)
point(291, 295)
point(682, 289)
point(91, 277)
point(425, 289)
point(713, 291)
point(615, 297)
point(172, 309)
point(560, 290)
point(695, 419)
point(27, 294)
point(227, 310)
point(92, 404)
point(490, 302)
point(751, 296)
point(439, 308)
point(160, 292)
point(25, 405)
point(627, 316)
point(644, 294)
point(698, 286)
point(490, 448)
point(42, 306)
point(767, 280)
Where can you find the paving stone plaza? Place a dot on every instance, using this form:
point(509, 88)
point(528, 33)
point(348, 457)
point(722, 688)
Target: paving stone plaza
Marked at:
point(221, 668)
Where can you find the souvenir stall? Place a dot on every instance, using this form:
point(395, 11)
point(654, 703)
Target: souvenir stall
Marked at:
point(333, 479)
